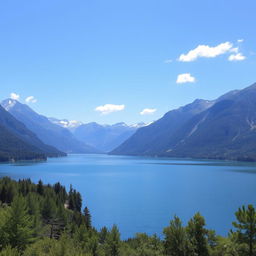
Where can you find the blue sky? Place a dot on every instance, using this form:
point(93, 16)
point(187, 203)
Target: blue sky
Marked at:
point(75, 56)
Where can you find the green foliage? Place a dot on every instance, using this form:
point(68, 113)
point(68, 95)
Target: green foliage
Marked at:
point(45, 220)
point(113, 242)
point(175, 242)
point(87, 218)
point(103, 235)
point(18, 224)
point(8, 251)
point(144, 245)
point(40, 188)
point(197, 236)
point(74, 200)
point(246, 228)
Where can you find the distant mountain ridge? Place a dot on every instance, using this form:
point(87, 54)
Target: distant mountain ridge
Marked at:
point(220, 129)
point(49, 133)
point(105, 137)
point(65, 123)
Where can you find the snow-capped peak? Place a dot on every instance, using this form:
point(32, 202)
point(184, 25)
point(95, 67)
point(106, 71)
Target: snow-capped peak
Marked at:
point(139, 125)
point(8, 104)
point(70, 124)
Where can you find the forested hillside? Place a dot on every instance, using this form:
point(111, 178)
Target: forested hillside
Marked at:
point(12, 148)
point(40, 220)
point(17, 142)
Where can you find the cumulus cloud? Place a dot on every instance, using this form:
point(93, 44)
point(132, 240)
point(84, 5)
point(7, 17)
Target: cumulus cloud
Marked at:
point(206, 51)
point(31, 99)
point(14, 96)
point(185, 78)
point(240, 40)
point(236, 57)
point(109, 108)
point(148, 111)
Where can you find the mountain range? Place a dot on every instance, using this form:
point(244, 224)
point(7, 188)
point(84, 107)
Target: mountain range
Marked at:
point(45, 136)
point(17, 142)
point(221, 129)
point(224, 128)
point(105, 137)
point(48, 132)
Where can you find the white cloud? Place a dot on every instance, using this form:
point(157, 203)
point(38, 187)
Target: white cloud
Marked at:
point(206, 51)
point(236, 57)
point(31, 99)
point(240, 40)
point(168, 61)
point(14, 96)
point(148, 111)
point(109, 108)
point(185, 78)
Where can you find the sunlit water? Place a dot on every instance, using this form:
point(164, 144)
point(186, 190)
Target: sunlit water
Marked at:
point(142, 194)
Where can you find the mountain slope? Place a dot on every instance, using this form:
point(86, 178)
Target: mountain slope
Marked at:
point(48, 132)
point(17, 142)
point(151, 139)
point(226, 129)
point(104, 137)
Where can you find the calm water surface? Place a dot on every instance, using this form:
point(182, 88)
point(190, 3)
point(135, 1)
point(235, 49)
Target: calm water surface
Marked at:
point(142, 194)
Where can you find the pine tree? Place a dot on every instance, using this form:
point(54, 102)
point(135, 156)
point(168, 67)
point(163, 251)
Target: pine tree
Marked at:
point(197, 235)
point(113, 242)
point(19, 224)
point(40, 188)
point(71, 199)
point(175, 242)
point(103, 235)
point(78, 201)
point(49, 208)
point(87, 218)
point(246, 227)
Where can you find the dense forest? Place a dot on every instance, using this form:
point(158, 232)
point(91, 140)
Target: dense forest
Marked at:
point(38, 220)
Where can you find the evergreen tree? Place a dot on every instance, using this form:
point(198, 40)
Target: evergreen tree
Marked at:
point(197, 236)
point(78, 201)
point(103, 235)
point(246, 227)
point(175, 241)
point(19, 224)
point(49, 208)
point(71, 199)
point(40, 188)
point(34, 209)
point(87, 218)
point(113, 242)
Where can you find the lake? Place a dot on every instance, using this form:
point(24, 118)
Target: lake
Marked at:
point(142, 194)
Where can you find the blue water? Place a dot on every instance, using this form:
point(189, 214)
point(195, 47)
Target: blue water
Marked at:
point(142, 194)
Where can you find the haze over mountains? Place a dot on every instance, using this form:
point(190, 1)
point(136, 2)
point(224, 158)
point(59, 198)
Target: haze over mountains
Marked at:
point(53, 137)
point(103, 137)
point(220, 129)
point(48, 132)
point(224, 128)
